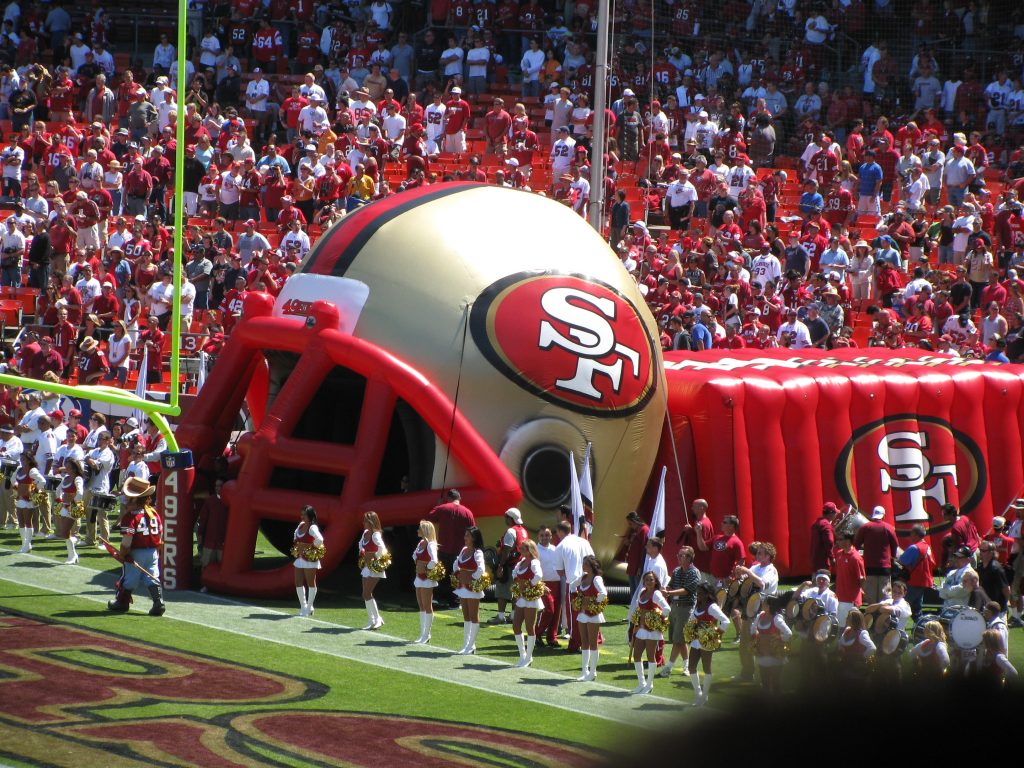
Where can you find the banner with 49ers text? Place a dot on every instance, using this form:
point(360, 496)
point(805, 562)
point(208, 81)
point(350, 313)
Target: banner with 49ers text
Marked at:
point(771, 438)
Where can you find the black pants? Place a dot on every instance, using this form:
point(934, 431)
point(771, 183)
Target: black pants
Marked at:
point(679, 217)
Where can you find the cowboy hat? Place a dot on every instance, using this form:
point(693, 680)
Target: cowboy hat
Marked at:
point(137, 488)
point(88, 344)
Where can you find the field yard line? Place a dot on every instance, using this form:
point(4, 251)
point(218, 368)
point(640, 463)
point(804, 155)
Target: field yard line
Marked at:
point(478, 672)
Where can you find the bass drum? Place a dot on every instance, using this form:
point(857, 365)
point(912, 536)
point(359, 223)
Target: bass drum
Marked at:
point(894, 642)
point(967, 628)
point(924, 618)
point(825, 628)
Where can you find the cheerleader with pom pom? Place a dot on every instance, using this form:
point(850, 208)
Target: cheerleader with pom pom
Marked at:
point(307, 549)
point(527, 589)
point(28, 481)
point(589, 602)
point(769, 636)
point(470, 576)
point(374, 559)
point(649, 615)
point(72, 509)
point(704, 632)
point(428, 573)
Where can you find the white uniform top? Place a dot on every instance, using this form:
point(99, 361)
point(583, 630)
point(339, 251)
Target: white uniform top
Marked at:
point(847, 639)
point(433, 117)
point(137, 469)
point(953, 591)
point(660, 568)
point(31, 420)
point(45, 449)
point(431, 547)
point(765, 267)
point(571, 550)
point(768, 575)
point(547, 556)
point(901, 610)
point(659, 600)
point(12, 448)
point(68, 451)
point(828, 597)
point(925, 649)
point(99, 482)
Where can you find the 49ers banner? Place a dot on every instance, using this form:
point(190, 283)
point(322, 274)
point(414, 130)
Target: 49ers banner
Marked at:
point(771, 439)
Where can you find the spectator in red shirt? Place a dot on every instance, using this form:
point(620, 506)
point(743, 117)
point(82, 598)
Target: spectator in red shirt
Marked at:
point(823, 538)
point(451, 519)
point(887, 158)
point(879, 542)
point(497, 124)
point(962, 533)
point(700, 535)
point(635, 552)
point(727, 550)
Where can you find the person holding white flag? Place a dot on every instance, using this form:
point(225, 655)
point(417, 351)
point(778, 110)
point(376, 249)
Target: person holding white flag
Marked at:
point(587, 495)
point(140, 387)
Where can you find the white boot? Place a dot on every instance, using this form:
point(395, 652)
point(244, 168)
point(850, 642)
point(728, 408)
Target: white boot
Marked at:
point(474, 629)
point(707, 688)
point(666, 670)
point(594, 656)
point(419, 638)
point(72, 554)
point(652, 670)
point(303, 608)
point(698, 694)
point(531, 643)
point(371, 614)
point(309, 601)
point(26, 540)
point(378, 622)
point(521, 645)
point(428, 622)
point(639, 667)
point(585, 663)
point(465, 638)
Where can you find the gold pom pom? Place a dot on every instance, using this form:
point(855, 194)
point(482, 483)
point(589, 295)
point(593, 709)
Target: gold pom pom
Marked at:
point(526, 591)
point(315, 553)
point(380, 563)
point(709, 636)
point(77, 510)
point(437, 573)
point(455, 581)
point(479, 585)
point(593, 606)
point(690, 631)
point(296, 550)
point(39, 498)
point(576, 602)
point(655, 621)
point(361, 562)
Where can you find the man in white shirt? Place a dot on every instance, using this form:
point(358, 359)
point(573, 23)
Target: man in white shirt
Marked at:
point(101, 461)
point(433, 116)
point(28, 427)
point(740, 176)
point(547, 621)
point(164, 55)
point(313, 118)
point(477, 59)
point(531, 65)
point(11, 449)
point(451, 60)
point(680, 198)
point(394, 124)
point(801, 337)
point(562, 153)
point(953, 592)
point(765, 267)
point(654, 561)
point(257, 93)
point(917, 188)
point(570, 551)
point(579, 190)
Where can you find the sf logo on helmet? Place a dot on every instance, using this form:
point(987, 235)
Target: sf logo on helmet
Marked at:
point(590, 337)
point(912, 464)
point(570, 340)
point(907, 468)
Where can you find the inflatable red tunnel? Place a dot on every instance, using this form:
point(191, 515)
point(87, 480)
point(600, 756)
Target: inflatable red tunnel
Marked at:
point(770, 438)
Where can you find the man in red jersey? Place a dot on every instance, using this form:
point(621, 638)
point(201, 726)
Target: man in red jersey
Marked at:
point(141, 535)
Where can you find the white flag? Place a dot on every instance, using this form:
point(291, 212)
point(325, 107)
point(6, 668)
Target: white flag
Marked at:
point(140, 388)
point(586, 483)
point(201, 376)
point(574, 496)
point(658, 516)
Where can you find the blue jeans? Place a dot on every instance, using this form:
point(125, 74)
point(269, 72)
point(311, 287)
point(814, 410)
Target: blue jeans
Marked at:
point(915, 599)
point(955, 196)
point(531, 87)
point(11, 277)
point(133, 578)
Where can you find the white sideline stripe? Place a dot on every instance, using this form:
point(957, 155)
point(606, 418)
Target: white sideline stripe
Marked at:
point(201, 610)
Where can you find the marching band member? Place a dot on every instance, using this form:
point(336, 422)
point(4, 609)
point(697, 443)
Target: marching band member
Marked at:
point(812, 653)
point(953, 592)
point(706, 612)
point(592, 595)
point(27, 481)
point(996, 619)
point(765, 578)
point(994, 665)
point(372, 551)
point(855, 648)
point(425, 559)
point(307, 536)
point(648, 606)
point(526, 576)
point(769, 634)
point(11, 449)
point(894, 607)
point(72, 489)
point(469, 567)
point(820, 591)
point(932, 653)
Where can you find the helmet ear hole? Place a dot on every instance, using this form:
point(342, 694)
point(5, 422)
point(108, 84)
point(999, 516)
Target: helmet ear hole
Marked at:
point(545, 476)
point(538, 452)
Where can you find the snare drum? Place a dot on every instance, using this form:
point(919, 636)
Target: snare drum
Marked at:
point(966, 629)
point(103, 502)
point(794, 609)
point(923, 619)
point(825, 628)
point(747, 588)
point(53, 483)
point(721, 596)
point(8, 467)
point(752, 606)
point(894, 642)
point(812, 608)
point(870, 613)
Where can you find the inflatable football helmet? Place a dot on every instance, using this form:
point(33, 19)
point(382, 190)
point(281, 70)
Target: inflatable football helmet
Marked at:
point(459, 335)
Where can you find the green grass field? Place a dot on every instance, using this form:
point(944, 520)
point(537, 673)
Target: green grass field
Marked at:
point(345, 670)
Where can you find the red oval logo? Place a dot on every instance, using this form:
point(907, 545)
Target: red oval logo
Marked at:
point(568, 339)
point(911, 465)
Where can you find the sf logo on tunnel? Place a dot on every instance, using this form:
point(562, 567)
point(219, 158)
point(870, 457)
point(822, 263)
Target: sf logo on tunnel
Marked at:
point(912, 465)
point(568, 339)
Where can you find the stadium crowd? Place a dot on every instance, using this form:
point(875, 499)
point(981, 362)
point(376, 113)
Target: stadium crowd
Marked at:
point(760, 195)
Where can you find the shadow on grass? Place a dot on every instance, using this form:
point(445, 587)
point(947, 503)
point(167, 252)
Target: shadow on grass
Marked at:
point(35, 564)
point(546, 682)
point(333, 630)
point(429, 654)
point(386, 643)
point(653, 706)
point(271, 616)
point(94, 614)
point(483, 667)
point(623, 694)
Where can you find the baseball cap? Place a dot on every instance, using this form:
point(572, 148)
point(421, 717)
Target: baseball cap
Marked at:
point(250, 222)
point(456, 91)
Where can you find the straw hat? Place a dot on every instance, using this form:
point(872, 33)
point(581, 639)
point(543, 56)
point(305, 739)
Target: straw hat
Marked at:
point(137, 488)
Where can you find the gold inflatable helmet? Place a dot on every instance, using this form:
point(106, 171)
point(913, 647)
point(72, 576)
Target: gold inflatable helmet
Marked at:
point(523, 320)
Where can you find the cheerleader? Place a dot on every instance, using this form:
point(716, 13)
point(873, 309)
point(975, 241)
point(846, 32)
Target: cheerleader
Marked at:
point(932, 653)
point(706, 611)
point(855, 648)
point(468, 567)
point(527, 573)
point(425, 559)
point(769, 634)
point(994, 665)
point(307, 535)
point(71, 491)
point(648, 603)
point(372, 551)
point(592, 594)
point(28, 480)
